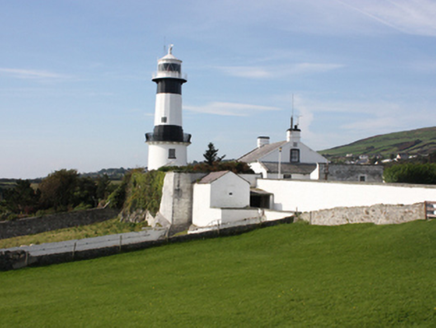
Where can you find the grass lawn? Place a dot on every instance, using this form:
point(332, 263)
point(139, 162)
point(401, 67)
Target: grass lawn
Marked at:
point(109, 227)
point(293, 275)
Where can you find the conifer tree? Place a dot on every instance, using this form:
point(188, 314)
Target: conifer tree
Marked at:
point(211, 155)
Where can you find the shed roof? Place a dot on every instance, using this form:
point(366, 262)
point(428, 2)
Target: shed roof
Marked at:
point(211, 177)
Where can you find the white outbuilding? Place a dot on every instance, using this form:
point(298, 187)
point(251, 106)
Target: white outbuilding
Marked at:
point(220, 198)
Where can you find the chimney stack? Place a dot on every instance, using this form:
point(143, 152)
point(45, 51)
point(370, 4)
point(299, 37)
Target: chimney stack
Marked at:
point(262, 141)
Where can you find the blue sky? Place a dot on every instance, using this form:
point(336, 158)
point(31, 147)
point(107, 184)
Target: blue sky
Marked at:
point(76, 89)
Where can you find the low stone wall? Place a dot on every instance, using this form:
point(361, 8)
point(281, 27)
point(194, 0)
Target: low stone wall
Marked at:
point(377, 214)
point(10, 260)
point(34, 225)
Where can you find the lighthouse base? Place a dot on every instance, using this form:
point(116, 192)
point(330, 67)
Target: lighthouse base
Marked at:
point(161, 153)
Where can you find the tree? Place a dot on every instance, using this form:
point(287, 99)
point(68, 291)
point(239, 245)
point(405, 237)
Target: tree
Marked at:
point(411, 173)
point(22, 199)
point(211, 155)
point(58, 188)
point(85, 193)
point(103, 187)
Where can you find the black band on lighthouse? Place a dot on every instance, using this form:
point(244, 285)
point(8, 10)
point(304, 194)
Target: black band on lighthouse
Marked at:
point(169, 86)
point(168, 133)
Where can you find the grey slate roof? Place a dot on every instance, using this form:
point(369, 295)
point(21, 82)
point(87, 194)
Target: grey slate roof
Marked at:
point(257, 153)
point(211, 177)
point(289, 168)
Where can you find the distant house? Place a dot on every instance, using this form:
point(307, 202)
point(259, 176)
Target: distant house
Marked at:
point(292, 159)
point(289, 159)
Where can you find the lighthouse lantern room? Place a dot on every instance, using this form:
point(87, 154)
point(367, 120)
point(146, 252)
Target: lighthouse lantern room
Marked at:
point(167, 144)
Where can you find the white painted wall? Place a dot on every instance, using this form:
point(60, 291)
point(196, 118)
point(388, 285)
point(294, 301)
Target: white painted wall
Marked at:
point(251, 178)
point(158, 154)
point(231, 191)
point(177, 197)
point(307, 155)
point(276, 215)
point(292, 195)
point(258, 168)
point(223, 200)
point(170, 106)
point(202, 213)
point(233, 215)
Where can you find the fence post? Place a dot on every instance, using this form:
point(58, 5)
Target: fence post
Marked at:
point(121, 241)
point(425, 210)
point(74, 249)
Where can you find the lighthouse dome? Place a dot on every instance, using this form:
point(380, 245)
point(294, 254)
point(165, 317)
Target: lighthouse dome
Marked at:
point(169, 67)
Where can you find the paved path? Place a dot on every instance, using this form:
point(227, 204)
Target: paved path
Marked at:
point(92, 243)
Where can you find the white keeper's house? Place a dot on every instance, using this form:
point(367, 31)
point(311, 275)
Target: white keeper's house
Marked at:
point(288, 159)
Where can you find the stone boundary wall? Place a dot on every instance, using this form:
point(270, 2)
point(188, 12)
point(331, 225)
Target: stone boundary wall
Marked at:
point(10, 260)
point(32, 225)
point(377, 214)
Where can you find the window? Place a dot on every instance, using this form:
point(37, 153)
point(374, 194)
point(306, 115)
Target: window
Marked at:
point(362, 178)
point(171, 153)
point(295, 155)
point(163, 119)
point(169, 67)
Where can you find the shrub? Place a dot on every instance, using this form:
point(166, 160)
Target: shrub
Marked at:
point(411, 173)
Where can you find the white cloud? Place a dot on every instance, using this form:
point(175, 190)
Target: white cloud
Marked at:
point(229, 109)
point(30, 74)
point(411, 17)
point(247, 71)
point(272, 71)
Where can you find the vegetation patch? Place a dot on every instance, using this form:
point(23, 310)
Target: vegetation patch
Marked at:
point(411, 173)
point(109, 227)
point(138, 191)
point(294, 275)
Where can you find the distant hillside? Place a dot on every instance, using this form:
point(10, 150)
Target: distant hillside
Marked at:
point(414, 142)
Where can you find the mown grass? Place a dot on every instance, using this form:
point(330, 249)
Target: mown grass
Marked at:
point(108, 227)
point(285, 276)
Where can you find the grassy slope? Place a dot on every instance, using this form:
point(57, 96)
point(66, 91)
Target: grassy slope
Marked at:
point(108, 227)
point(290, 275)
point(392, 143)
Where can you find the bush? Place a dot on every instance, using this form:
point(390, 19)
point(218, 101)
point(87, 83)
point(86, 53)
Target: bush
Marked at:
point(411, 173)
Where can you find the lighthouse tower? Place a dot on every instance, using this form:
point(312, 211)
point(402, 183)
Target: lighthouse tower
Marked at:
point(167, 144)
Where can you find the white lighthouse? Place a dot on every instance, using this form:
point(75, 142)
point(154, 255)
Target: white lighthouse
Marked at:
point(167, 144)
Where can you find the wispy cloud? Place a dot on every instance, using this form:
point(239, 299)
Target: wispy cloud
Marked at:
point(266, 72)
point(31, 74)
point(411, 17)
point(229, 109)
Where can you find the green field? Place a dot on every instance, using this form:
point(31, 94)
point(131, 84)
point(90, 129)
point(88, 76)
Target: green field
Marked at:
point(292, 275)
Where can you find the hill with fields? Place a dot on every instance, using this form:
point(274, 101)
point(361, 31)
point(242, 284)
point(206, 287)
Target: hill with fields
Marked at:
point(413, 142)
